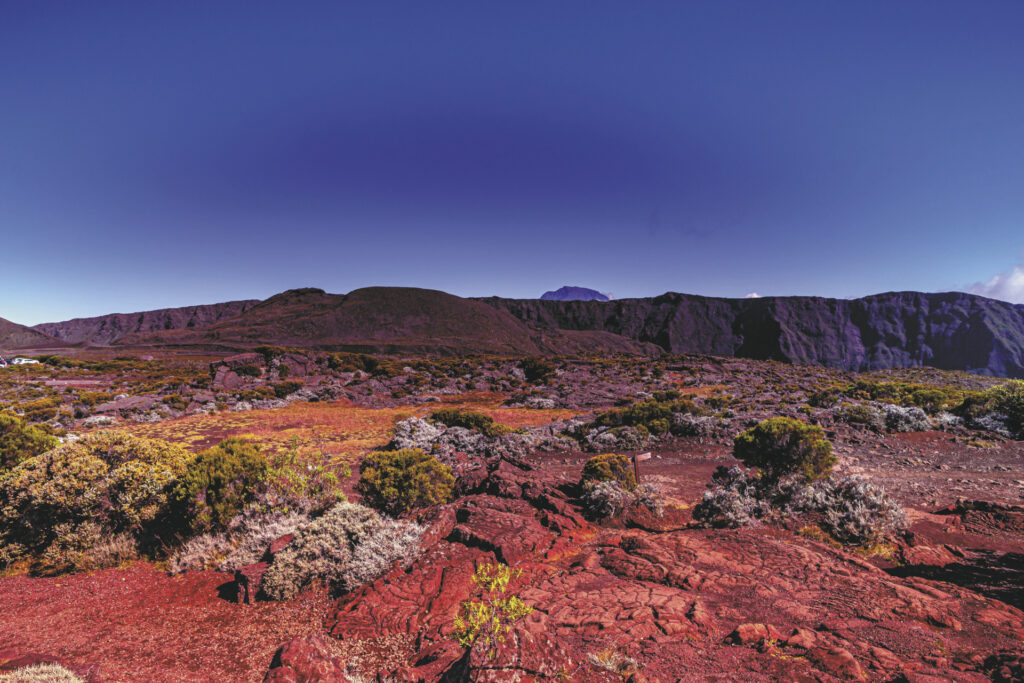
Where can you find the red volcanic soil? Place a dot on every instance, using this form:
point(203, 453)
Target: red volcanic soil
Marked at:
point(138, 624)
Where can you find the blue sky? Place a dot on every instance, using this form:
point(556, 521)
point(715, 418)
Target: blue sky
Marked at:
point(166, 154)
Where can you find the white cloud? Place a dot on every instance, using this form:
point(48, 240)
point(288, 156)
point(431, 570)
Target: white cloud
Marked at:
point(752, 295)
point(1007, 286)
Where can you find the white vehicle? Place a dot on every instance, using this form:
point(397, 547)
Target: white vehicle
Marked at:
point(24, 361)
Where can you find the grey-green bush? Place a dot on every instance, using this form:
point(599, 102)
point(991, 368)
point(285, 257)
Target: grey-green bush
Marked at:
point(327, 551)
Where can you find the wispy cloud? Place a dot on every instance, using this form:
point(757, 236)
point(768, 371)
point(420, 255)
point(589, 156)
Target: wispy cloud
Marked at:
point(1008, 286)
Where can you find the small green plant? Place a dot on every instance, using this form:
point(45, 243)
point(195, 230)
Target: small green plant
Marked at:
point(781, 446)
point(609, 467)
point(397, 481)
point(486, 621)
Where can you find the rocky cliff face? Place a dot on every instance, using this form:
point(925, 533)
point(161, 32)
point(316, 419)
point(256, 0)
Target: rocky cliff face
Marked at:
point(104, 330)
point(953, 331)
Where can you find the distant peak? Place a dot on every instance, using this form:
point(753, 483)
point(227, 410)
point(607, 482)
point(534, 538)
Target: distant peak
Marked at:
point(575, 294)
point(301, 291)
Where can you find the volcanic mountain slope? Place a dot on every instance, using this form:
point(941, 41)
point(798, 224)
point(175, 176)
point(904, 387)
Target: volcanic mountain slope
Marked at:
point(104, 330)
point(574, 294)
point(15, 336)
point(386, 320)
point(952, 331)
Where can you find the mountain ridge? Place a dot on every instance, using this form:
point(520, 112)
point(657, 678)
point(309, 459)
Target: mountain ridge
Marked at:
point(948, 330)
point(104, 330)
point(15, 336)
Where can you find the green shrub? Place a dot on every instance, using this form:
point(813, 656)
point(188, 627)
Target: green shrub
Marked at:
point(219, 483)
point(249, 370)
point(652, 416)
point(1009, 399)
point(609, 467)
point(862, 414)
point(91, 398)
point(453, 417)
point(19, 441)
point(41, 409)
point(176, 402)
point(282, 389)
point(396, 481)
point(930, 401)
point(78, 494)
point(300, 482)
point(825, 397)
point(537, 368)
point(781, 446)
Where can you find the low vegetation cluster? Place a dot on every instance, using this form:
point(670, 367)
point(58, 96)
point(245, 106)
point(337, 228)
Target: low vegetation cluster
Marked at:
point(609, 488)
point(110, 497)
point(789, 477)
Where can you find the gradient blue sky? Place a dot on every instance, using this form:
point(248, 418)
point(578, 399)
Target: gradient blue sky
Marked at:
point(166, 154)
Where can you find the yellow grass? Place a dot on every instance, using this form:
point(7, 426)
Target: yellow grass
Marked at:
point(339, 429)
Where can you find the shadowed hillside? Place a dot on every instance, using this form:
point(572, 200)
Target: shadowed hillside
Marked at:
point(952, 330)
point(386, 320)
point(14, 336)
point(106, 329)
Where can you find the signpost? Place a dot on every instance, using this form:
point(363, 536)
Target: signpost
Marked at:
point(636, 464)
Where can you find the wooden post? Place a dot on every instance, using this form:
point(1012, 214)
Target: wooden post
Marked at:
point(636, 464)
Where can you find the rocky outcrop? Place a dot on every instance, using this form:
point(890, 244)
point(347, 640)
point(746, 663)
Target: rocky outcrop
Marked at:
point(104, 330)
point(953, 330)
point(757, 604)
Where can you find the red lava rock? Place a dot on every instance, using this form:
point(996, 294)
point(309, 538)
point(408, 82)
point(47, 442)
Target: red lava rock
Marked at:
point(306, 659)
point(932, 556)
point(1005, 667)
point(883, 658)
point(748, 634)
point(803, 638)
point(248, 580)
point(638, 677)
point(665, 594)
point(277, 546)
point(836, 661)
